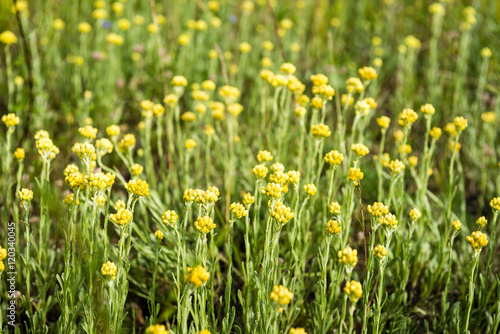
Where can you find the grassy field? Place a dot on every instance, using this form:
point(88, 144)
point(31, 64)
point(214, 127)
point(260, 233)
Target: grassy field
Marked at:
point(267, 166)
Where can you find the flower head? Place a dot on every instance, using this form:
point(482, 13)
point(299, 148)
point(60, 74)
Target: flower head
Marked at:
point(353, 290)
point(348, 257)
point(320, 131)
point(378, 209)
point(26, 196)
point(360, 149)
point(10, 120)
point(310, 189)
point(495, 204)
point(355, 175)
point(415, 214)
point(197, 275)
point(109, 269)
point(122, 217)
point(407, 117)
point(368, 73)
point(281, 213)
point(264, 156)
point(380, 252)
point(477, 240)
point(238, 210)
point(137, 187)
point(460, 123)
point(334, 208)
point(204, 224)
point(456, 225)
point(281, 295)
point(7, 37)
point(333, 227)
point(482, 221)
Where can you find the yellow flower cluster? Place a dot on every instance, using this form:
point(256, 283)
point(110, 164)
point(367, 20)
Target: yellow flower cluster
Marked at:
point(169, 217)
point(378, 209)
point(456, 225)
point(136, 169)
point(104, 146)
point(10, 120)
point(264, 156)
point(360, 149)
point(477, 240)
point(109, 269)
point(85, 151)
point(260, 171)
point(88, 132)
point(113, 130)
point(7, 37)
point(122, 217)
point(248, 199)
point(348, 257)
point(273, 190)
point(137, 187)
point(310, 189)
point(334, 158)
point(45, 146)
point(204, 224)
point(282, 213)
point(354, 85)
point(415, 214)
point(279, 177)
point(460, 123)
point(127, 143)
point(495, 204)
point(197, 275)
point(428, 109)
point(159, 235)
point(320, 131)
point(396, 166)
point(19, 154)
point(368, 73)
point(100, 181)
point(488, 117)
point(333, 227)
point(407, 117)
point(281, 295)
point(229, 93)
point(353, 290)
point(436, 133)
point(25, 195)
point(3, 256)
point(389, 221)
point(238, 210)
point(70, 199)
point(334, 208)
point(299, 330)
point(205, 331)
point(355, 175)
point(482, 221)
point(383, 122)
point(156, 329)
point(380, 252)
point(293, 177)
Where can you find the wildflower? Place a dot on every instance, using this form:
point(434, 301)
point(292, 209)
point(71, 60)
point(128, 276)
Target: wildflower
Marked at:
point(7, 37)
point(368, 73)
point(310, 189)
point(260, 171)
point(334, 208)
point(113, 131)
point(303, 100)
point(10, 120)
point(407, 117)
point(407, 149)
point(415, 214)
point(104, 146)
point(58, 24)
point(413, 161)
point(427, 109)
point(378, 209)
point(169, 217)
point(298, 330)
point(435, 133)
point(85, 151)
point(136, 169)
point(234, 109)
point(76, 180)
point(355, 175)
point(353, 290)
point(279, 177)
point(287, 68)
point(84, 27)
point(454, 146)
point(451, 129)
point(486, 53)
point(238, 210)
point(204, 224)
point(159, 235)
point(137, 187)
point(320, 131)
point(229, 93)
point(245, 47)
point(495, 204)
point(488, 117)
point(333, 227)
point(319, 79)
point(482, 221)
point(88, 132)
point(412, 42)
point(100, 181)
point(354, 85)
point(70, 199)
point(156, 329)
point(114, 39)
point(281, 213)
point(456, 225)
point(273, 190)
point(122, 217)
point(477, 240)
point(460, 123)
point(316, 102)
point(396, 166)
point(3, 253)
point(389, 221)
point(281, 295)
point(348, 257)
point(19, 154)
point(437, 9)
point(197, 275)
point(380, 252)
point(383, 122)
point(325, 91)
point(248, 199)
point(334, 158)
point(188, 116)
point(360, 149)
point(346, 99)
point(109, 269)
point(25, 195)
point(119, 204)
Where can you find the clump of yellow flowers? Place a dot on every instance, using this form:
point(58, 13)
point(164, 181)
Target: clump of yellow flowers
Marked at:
point(477, 240)
point(333, 227)
point(281, 295)
point(204, 224)
point(197, 275)
point(348, 257)
point(109, 269)
point(122, 217)
point(353, 290)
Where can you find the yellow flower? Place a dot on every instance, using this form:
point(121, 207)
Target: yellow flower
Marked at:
point(455, 146)
point(114, 39)
point(113, 130)
point(348, 257)
point(437, 9)
point(460, 123)
point(378, 209)
point(245, 47)
point(274, 190)
point(334, 158)
point(287, 68)
point(355, 175)
point(413, 161)
point(123, 24)
point(70, 199)
point(279, 177)
point(179, 80)
point(58, 24)
point(169, 217)
point(316, 102)
point(415, 214)
point(3, 253)
point(334, 208)
point(310, 189)
point(435, 133)
point(137, 187)
point(234, 109)
point(7, 37)
point(248, 199)
point(109, 269)
point(10, 120)
point(495, 204)
point(380, 252)
point(190, 144)
point(486, 53)
point(407, 117)
point(456, 225)
point(100, 14)
point(281, 213)
point(19, 154)
point(25, 195)
point(260, 171)
point(156, 329)
point(368, 73)
point(159, 235)
point(412, 42)
point(88, 132)
point(127, 143)
point(197, 275)
point(353, 290)
point(136, 169)
point(319, 79)
point(293, 177)
point(320, 131)
point(281, 295)
point(333, 227)
point(389, 221)
point(299, 330)
point(238, 210)
point(407, 149)
point(122, 217)
point(360, 149)
point(383, 122)
point(104, 146)
point(204, 224)
point(229, 93)
point(428, 109)
point(264, 156)
point(482, 221)
point(346, 99)
point(477, 240)
point(354, 85)
point(488, 117)
point(84, 27)
point(396, 166)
